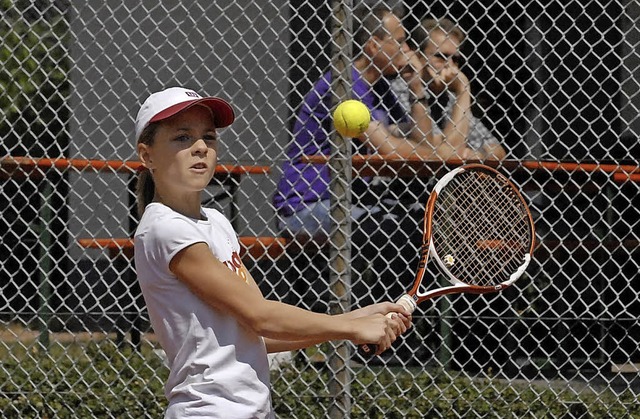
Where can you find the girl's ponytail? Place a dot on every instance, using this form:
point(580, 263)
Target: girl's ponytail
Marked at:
point(145, 187)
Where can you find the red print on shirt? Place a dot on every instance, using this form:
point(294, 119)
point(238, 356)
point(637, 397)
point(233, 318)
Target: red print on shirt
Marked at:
point(236, 266)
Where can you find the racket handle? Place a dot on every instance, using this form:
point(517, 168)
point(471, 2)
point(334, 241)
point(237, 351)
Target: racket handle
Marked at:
point(367, 350)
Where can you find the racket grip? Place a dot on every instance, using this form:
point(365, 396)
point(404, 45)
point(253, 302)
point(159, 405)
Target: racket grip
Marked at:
point(367, 350)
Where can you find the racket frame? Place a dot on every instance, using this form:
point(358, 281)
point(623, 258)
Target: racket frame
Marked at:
point(414, 296)
point(428, 249)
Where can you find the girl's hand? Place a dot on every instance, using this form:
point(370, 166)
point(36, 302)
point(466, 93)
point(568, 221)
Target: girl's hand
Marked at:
point(397, 320)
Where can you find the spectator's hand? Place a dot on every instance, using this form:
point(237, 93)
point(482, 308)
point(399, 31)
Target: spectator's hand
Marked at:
point(457, 80)
point(450, 77)
point(412, 72)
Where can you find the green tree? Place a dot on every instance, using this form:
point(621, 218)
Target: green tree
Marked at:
point(34, 71)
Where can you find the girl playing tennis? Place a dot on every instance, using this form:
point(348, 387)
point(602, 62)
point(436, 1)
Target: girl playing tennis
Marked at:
point(205, 308)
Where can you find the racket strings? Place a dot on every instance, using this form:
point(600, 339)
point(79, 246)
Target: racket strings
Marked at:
point(480, 228)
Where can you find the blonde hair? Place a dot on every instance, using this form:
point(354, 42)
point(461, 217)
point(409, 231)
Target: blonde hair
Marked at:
point(446, 26)
point(145, 187)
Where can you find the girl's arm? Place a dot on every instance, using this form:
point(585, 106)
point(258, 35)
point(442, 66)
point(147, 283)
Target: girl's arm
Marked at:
point(404, 323)
point(225, 291)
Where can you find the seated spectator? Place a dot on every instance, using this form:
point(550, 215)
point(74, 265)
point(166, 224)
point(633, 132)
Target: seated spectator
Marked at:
point(449, 91)
point(302, 199)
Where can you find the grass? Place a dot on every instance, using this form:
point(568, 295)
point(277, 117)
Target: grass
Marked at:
point(88, 375)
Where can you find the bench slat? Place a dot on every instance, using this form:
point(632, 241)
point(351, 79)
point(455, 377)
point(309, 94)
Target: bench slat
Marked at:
point(254, 246)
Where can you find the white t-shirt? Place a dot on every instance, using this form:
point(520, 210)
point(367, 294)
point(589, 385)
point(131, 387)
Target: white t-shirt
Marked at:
point(218, 368)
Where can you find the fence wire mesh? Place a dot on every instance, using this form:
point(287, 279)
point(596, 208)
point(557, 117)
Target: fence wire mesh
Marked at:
point(554, 84)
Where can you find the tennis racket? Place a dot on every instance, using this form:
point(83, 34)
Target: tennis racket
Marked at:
point(479, 232)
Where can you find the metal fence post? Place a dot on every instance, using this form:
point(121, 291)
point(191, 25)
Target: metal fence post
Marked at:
point(44, 286)
point(340, 164)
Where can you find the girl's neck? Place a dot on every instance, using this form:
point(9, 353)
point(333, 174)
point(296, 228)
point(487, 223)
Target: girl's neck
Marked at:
point(189, 206)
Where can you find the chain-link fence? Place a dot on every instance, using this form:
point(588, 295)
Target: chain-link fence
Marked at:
point(554, 83)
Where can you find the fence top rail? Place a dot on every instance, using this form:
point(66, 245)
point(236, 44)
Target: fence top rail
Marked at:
point(378, 160)
point(26, 165)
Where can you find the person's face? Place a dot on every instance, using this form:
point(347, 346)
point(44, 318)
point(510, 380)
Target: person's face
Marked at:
point(184, 154)
point(441, 51)
point(392, 48)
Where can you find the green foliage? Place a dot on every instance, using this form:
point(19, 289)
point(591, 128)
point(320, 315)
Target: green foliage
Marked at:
point(435, 394)
point(98, 379)
point(34, 73)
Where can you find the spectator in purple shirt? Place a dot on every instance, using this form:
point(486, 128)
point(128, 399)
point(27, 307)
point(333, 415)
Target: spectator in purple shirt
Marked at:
point(381, 240)
point(302, 197)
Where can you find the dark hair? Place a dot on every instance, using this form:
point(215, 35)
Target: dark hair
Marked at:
point(145, 187)
point(421, 34)
point(368, 22)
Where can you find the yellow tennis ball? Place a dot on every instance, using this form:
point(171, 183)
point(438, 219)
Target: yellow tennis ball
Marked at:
point(351, 118)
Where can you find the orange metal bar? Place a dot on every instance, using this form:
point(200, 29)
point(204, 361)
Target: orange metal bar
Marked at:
point(118, 166)
point(625, 177)
point(584, 167)
point(255, 246)
point(376, 160)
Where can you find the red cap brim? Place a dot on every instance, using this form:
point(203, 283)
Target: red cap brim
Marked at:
point(223, 114)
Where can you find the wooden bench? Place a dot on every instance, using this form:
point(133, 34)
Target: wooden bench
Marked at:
point(121, 252)
point(17, 167)
point(250, 246)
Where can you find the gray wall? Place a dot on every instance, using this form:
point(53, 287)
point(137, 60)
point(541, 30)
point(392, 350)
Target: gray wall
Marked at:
point(237, 51)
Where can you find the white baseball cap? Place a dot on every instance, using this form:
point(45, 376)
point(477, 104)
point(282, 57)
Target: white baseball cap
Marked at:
point(168, 102)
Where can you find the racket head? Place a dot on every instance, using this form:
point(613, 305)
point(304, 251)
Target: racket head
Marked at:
point(479, 231)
